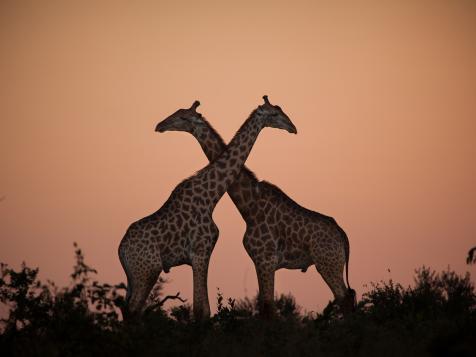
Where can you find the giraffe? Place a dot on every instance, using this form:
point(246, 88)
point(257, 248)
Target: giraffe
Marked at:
point(182, 231)
point(279, 232)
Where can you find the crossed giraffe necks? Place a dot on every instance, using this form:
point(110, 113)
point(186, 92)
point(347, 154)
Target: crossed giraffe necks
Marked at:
point(244, 189)
point(220, 174)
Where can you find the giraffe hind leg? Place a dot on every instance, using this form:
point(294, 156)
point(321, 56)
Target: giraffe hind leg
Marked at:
point(330, 265)
point(334, 280)
point(141, 285)
point(142, 272)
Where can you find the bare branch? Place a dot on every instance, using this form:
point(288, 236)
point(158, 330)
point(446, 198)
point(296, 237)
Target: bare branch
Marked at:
point(172, 297)
point(160, 303)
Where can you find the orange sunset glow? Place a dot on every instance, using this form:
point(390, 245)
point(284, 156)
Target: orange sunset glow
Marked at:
point(383, 95)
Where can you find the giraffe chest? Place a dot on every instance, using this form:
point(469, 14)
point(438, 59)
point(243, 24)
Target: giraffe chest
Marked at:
point(179, 242)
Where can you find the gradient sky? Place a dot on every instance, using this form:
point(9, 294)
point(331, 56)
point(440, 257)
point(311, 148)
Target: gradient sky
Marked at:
point(383, 94)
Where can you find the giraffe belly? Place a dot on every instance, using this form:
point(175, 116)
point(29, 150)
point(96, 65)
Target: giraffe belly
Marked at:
point(295, 259)
point(174, 251)
point(170, 261)
point(180, 247)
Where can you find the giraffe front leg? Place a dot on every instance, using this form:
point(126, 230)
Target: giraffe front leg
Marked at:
point(201, 305)
point(265, 272)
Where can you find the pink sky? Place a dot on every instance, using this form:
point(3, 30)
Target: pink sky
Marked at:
point(383, 95)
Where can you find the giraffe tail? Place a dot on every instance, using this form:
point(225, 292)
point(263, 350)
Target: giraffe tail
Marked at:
point(347, 255)
point(351, 296)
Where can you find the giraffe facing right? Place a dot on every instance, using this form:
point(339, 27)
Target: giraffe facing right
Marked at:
point(279, 232)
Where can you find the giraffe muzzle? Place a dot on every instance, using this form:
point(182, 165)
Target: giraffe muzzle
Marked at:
point(161, 127)
point(292, 129)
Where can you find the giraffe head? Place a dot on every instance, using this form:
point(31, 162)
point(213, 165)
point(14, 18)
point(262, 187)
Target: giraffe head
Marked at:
point(182, 120)
point(274, 117)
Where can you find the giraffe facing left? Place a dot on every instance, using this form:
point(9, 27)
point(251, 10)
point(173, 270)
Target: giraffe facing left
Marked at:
point(182, 231)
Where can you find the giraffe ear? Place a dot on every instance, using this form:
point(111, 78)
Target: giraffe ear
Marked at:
point(195, 105)
point(266, 101)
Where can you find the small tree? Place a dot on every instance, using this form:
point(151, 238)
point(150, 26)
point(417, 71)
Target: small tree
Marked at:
point(32, 303)
point(25, 297)
point(471, 258)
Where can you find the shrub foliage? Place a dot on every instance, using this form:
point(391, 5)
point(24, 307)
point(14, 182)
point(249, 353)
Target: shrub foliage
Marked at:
point(434, 317)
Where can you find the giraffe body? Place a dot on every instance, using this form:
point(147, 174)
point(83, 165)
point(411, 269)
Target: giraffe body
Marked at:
point(282, 234)
point(279, 232)
point(182, 231)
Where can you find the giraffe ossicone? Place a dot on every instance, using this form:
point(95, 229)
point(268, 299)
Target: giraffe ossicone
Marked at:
point(195, 105)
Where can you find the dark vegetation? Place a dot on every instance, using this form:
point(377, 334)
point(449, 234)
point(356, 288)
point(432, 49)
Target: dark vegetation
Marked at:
point(471, 259)
point(434, 317)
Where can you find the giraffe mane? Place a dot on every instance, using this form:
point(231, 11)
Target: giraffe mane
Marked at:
point(246, 121)
point(213, 130)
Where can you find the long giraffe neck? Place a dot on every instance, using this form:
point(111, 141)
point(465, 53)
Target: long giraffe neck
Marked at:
point(243, 190)
point(217, 177)
point(211, 142)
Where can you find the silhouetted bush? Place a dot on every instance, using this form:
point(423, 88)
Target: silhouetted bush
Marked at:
point(471, 258)
point(434, 317)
